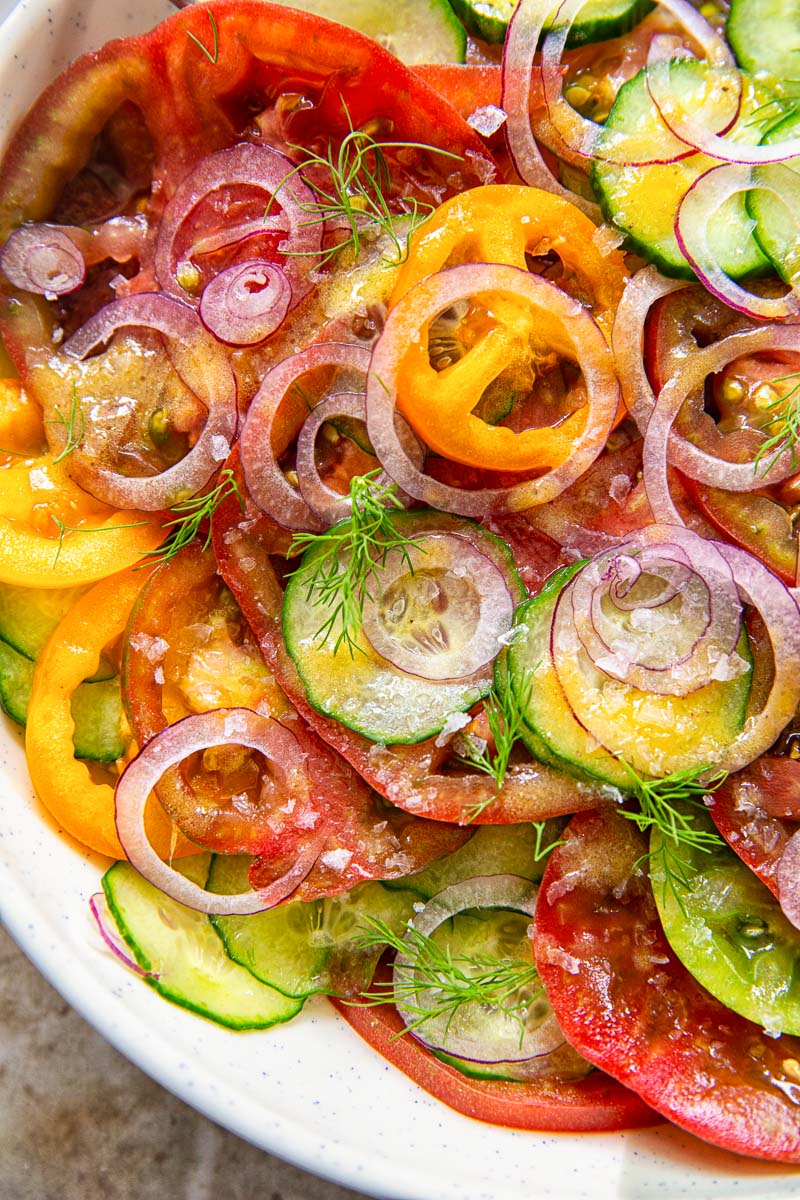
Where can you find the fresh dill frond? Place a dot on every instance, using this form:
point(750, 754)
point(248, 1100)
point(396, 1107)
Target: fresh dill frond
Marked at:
point(672, 805)
point(436, 985)
point(785, 425)
point(505, 716)
point(190, 515)
point(357, 185)
point(68, 423)
point(212, 56)
point(64, 529)
point(350, 558)
point(540, 851)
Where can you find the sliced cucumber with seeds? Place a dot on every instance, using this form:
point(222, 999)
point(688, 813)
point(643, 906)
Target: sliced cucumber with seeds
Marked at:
point(776, 228)
point(96, 707)
point(415, 31)
point(728, 930)
point(643, 201)
point(185, 958)
point(765, 37)
point(305, 948)
point(597, 21)
point(362, 689)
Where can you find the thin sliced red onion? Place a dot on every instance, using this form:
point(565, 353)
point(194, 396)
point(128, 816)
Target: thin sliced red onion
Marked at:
point(453, 1035)
point(691, 459)
point(627, 339)
point(246, 303)
point(222, 727)
point(787, 877)
point(205, 369)
point(251, 166)
point(444, 581)
point(647, 640)
point(404, 326)
point(265, 480)
point(328, 505)
point(43, 259)
point(522, 40)
point(107, 926)
point(582, 136)
point(779, 612)
point(686, 127)
point(696, 214)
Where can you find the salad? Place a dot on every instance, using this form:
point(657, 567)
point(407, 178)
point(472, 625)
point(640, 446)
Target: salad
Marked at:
point(398, 571)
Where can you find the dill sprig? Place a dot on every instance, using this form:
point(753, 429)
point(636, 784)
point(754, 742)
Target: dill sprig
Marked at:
point(357, 185)
point(505, 716)
point(68, 424)
point(350, 557)
point(786, 426)
point(213, 57)
point(437, 985)
point(540, 851)
point(672, 805)
point(64, 529)
point(190, 515)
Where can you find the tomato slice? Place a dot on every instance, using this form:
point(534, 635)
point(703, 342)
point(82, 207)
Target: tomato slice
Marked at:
point(756, 810)
point(592, 1104)
point(417, 778)
point(628, 1005)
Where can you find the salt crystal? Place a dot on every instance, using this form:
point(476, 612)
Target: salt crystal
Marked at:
point(487, 119)
point(337, 860)
point(220, 447)
point(452, 725)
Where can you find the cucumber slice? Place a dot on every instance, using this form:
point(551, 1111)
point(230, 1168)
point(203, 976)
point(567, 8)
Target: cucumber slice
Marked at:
point(96, 707)
point(598, 21)
point(415, 31)
point(776, 228)
point(642, 201)
point(363, 691)
point(493, 850)
point(728, 929)
point(656, 734)
point(765, 37)
point(188, 962)
point(28, 616)
point(305, 948)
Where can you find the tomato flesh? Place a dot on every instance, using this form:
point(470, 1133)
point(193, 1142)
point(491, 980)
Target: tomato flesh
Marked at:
point(626, 1003)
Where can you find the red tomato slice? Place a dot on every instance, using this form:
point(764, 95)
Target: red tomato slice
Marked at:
point(189, 650)
point(592, 1104)
point(756, 812)
point(415, 778)
point(627, 1004)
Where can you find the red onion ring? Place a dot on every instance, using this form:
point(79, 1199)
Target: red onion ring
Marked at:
point(697, 211)
point(403, 325)
point(222, 727)
point(483, 891)
point(582, 136)
point(252, 166)
point(787, 878)
point(43, 259)
point(207, 372)
point(690, 459)
point(246, 303)
point(417, 651)
point(522, 40)
point(265, 480)
point(627, 338)
point(593, 612)
point(328, 505)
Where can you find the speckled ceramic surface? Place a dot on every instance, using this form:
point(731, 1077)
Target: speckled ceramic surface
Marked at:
point(311, 1091)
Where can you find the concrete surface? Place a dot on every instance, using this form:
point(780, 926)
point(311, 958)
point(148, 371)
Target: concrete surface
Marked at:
point(79, 1122)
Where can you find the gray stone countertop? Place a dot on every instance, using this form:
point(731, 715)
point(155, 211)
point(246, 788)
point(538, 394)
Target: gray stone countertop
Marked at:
point(79, 1122)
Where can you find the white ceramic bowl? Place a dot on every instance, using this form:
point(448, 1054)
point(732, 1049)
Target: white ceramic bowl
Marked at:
point(311, 1092)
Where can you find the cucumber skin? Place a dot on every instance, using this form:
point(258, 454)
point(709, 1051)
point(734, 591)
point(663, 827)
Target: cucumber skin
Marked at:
point(584, 32)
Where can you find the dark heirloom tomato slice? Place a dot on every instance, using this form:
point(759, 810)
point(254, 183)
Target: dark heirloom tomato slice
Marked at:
point(189, 650)
point(756, 811)
point(415, 778)
point(628, 1005)
point(592, 1104)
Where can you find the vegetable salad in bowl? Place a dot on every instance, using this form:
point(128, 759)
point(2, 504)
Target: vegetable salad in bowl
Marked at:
point(398, 571)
